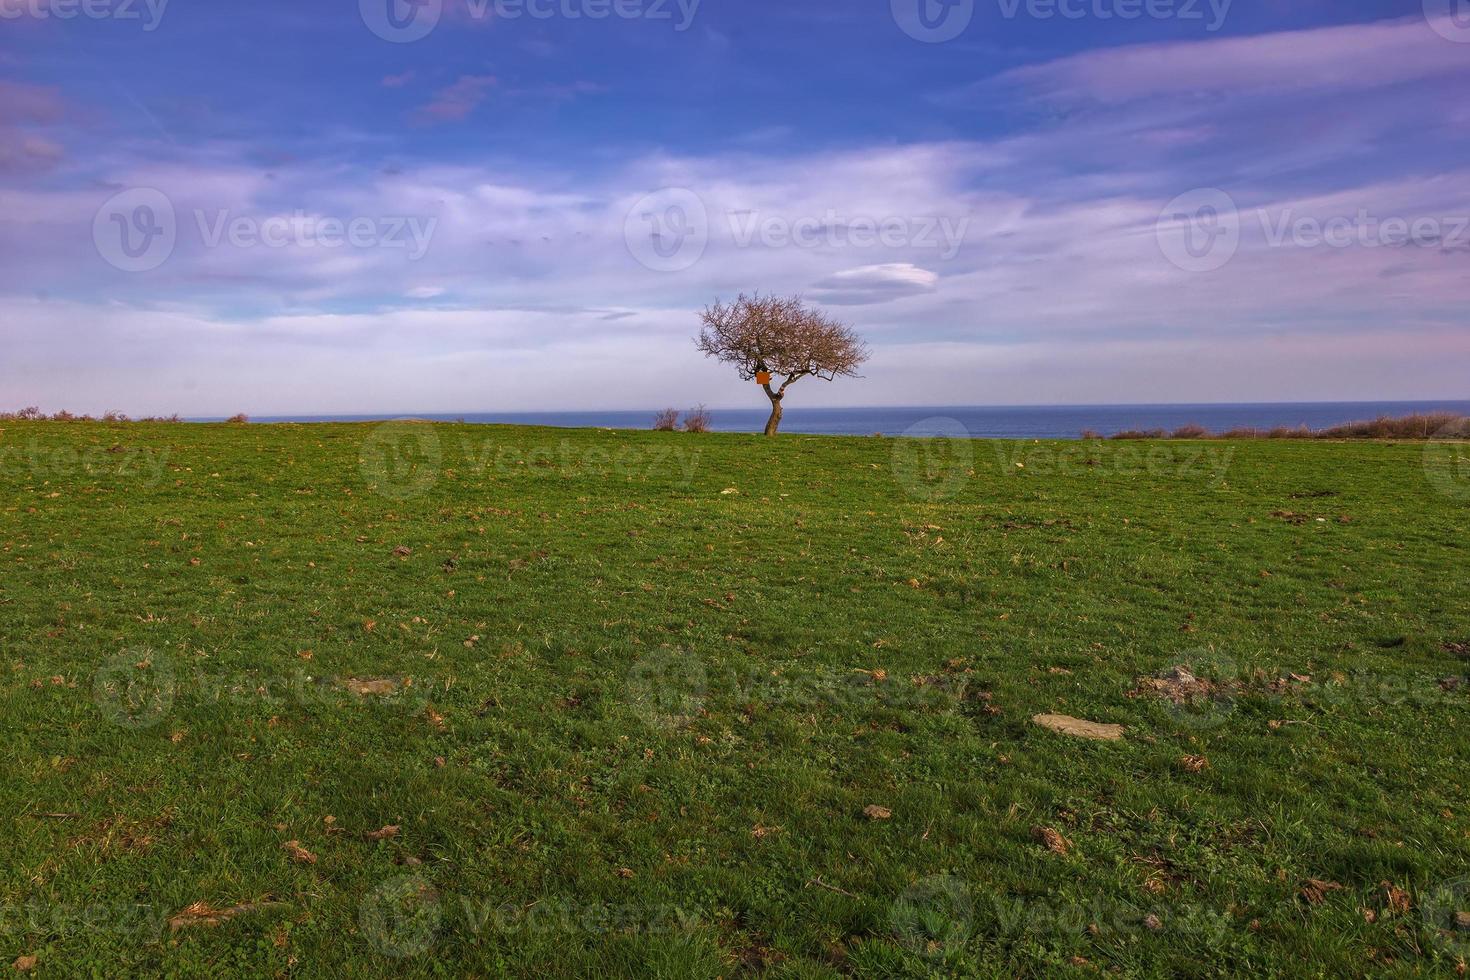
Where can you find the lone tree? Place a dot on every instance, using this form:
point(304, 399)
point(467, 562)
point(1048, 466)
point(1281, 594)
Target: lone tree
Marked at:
point(765, 336)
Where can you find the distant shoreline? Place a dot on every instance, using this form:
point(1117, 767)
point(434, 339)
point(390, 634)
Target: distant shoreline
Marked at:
point(1348, 420)
point(1423, 403)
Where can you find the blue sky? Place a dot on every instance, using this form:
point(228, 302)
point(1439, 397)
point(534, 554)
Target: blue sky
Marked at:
point(1015, 201)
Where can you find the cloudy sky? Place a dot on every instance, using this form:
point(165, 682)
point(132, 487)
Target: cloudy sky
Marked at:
point(459, 205)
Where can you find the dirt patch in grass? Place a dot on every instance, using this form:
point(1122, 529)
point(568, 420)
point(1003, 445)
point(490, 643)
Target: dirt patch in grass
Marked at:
point(123, 835)
point(209, 916)
point(1292, 517)
point(1051, 839)
point(1315, 891)
point(376, 686)
point(1182, 687)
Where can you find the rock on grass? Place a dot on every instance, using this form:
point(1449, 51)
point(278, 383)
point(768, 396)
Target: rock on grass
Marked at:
point(1067, 725)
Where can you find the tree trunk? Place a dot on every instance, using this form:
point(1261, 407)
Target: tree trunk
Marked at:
point(774, 421)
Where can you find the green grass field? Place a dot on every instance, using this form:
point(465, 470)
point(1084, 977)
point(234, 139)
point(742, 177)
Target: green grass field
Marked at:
point(413, 700)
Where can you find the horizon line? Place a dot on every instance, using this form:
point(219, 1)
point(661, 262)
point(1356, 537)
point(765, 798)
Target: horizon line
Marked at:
point(848, 408)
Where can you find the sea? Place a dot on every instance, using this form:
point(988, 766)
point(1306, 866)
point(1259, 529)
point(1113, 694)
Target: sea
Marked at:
point(977, 421)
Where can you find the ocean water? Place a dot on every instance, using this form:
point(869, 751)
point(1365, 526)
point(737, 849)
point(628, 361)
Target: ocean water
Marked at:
point(981, 422)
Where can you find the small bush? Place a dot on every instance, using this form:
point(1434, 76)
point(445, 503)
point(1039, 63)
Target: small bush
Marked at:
point(666, 421)
point(1409, 427)
point(240, 419)
point(1416, 426)
point(697, 420)
point(34, 414)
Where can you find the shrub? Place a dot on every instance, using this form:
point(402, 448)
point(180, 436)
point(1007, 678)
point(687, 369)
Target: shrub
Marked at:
point(1409, 427)
point(240, 419)
point(666, 421)
point(697, 420)
point(1443, 425)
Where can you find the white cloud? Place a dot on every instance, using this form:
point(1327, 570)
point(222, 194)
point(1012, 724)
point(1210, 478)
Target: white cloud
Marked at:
point(874, 284)
point(1345, 58)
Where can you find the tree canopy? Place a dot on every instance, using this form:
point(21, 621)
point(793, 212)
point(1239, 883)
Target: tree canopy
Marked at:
point(765, 336)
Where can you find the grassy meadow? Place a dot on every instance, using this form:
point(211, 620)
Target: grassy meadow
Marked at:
point(425, 700)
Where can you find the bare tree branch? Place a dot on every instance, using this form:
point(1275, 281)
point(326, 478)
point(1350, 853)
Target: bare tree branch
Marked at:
point(779, 335)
